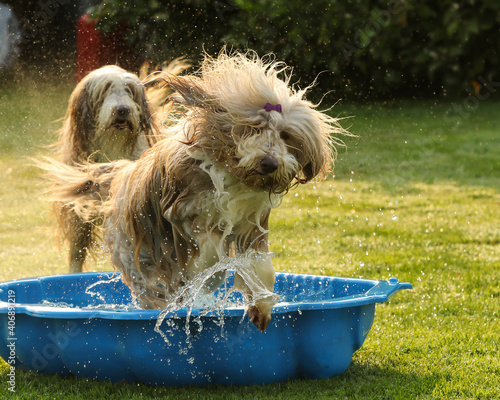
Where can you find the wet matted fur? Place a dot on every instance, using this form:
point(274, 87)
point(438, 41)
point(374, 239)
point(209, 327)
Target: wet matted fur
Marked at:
point(242, 137)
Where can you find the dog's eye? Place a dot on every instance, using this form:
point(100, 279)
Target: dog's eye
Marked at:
point(129, 89)
point(285, 136)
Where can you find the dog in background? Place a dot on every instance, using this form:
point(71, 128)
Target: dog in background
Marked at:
point(109, 117)
point(239, 139)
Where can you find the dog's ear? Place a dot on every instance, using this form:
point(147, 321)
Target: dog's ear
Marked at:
point(80, 120)
point(313, 168)
point(189, 92)
point(316, 158)
point(309, 172)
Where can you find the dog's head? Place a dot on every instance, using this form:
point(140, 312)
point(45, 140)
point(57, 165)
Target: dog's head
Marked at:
point(246, 116)
point(109, 102)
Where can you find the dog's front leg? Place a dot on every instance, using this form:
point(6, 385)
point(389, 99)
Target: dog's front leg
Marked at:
point(260, 313)
point(210, 251)
point(258, 282)
point(197, 251)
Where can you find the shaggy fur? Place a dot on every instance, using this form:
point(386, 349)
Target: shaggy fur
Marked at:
point(212, 182)
point(108, 118)
point(155, 79)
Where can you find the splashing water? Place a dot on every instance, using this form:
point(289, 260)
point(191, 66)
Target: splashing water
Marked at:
point(195, 294)
point(199, 293)
point(92, 293)
point(134, 306)
point(93, 290)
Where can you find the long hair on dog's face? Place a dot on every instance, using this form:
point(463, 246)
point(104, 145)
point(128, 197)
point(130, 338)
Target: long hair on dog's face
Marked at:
point(108, 113)
point(246, 116)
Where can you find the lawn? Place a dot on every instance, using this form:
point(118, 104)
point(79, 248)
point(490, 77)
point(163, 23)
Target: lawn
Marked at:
point(416, 196)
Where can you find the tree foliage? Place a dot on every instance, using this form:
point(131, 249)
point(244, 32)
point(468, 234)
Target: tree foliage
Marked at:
point(367, 47)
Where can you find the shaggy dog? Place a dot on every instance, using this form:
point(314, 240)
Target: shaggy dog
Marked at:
point(239, 138)
point(108, 118)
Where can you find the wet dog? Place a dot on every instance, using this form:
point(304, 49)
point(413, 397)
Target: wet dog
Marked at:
point(240, 137)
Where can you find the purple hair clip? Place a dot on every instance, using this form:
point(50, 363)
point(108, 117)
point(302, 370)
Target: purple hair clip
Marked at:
point(271, 107)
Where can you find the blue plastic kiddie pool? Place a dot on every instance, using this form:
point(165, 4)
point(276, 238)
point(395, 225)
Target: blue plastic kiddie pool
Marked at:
point(55, 325)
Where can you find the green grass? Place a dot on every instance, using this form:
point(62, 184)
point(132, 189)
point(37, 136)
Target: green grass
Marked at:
point(416, 196)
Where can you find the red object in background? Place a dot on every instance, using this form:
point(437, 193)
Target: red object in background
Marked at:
point(88, 46)
point(93, 49)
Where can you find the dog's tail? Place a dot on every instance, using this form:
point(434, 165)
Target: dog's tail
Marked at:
point(80, 189)
point(77, 193)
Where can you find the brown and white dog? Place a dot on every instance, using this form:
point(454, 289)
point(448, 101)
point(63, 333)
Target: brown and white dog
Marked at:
point(246, 138)
point(108, 118)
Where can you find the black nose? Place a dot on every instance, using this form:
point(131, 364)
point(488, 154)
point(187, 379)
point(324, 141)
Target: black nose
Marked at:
point(122, 112)
point(268, 164)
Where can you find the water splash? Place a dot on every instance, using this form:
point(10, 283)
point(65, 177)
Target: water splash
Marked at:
point(134, 306)
point(196, 295)
point(89, 289)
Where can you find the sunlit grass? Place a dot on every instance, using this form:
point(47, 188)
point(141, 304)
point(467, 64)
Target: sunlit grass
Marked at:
point(404, 142)
point(416, 196)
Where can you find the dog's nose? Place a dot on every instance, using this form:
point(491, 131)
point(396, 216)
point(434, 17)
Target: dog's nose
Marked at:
point(122, 112)
point(268, 164)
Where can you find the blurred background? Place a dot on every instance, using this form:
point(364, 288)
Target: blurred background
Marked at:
point(361, 50)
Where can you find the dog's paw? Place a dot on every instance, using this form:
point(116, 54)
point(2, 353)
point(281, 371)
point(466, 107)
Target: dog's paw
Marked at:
point(259, 319)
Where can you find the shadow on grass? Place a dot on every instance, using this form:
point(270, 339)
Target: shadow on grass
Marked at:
point(358, 382)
